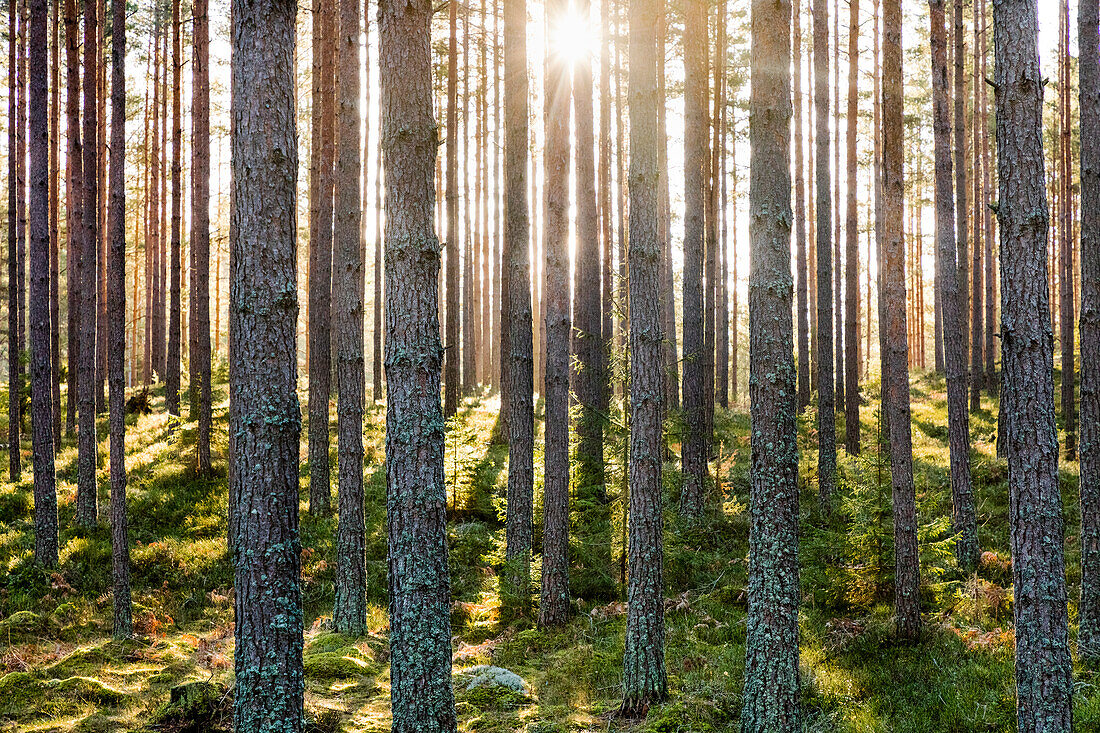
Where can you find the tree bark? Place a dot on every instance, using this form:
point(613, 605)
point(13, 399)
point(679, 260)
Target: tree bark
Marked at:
point(15, 84)
point(803, 316)
point(264, 415)
point(771, 696)
point(452, 353)
point(851, 231)
point(554, 606)
point(45, 487)
point(1088, 33)
point(958, 419)
point(75, 202)
point(962, 225)
point(172, 376)
point(86, 489)
point(1044, 683)
point(54, 214)
point(895, 366)
point(323, 151)
point(116, 326)
point(199, 295)
point(349, 613)
point(826, 420)
point(695, 444)
point(1065, 250)
point(419, 589)
point(644, 679)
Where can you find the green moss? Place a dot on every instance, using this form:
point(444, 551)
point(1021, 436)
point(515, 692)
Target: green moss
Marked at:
point(195, 707)
point(327, 666)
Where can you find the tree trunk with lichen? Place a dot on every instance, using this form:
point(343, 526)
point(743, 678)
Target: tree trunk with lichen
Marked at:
point(264, 415)
point(1044, 675)
point(771, 696)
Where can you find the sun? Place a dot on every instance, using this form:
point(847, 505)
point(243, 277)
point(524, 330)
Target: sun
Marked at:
point(574, 37)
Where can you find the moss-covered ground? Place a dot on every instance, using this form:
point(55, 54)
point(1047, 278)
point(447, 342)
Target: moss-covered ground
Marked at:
point(60, 671)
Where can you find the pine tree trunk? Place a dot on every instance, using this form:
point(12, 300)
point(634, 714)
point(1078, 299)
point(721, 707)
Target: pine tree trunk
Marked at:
point(554, 607)
point(45, 488)
point(958, 419)
point(200, 233)
point(826, 420)
point(977, 291)
point(668, 275)
point(802, 317)
point(419, 591)
point(322, 153)
point(172, 377)
point(116, 326)
point(1065, 253)
point(86, 489)
point(517, 363)
point(851, 231)
point(1043, 667)
point(54, 214)
point(838, 268)
point(264, 415)
point(987, 218)
point(644, 678)
point(695, 444)
point(468, 343)
point(895, 367)
point(349, 613)
point(771, 697)
point(14, 368)
point(452, 353)
point(1088, 33)
point(962, 226)
point(74, 204)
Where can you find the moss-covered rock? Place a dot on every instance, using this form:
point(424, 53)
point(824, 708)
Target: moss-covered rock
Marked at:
point(334, 665)
point(20, 621)
point(194, 707)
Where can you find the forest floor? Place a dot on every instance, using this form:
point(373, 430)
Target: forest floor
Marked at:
point(59, 669)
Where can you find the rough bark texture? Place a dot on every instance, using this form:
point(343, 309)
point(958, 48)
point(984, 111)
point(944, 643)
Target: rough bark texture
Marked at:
point(802, 317)
point(695, 441)
point(419, 586)
point(962, 226)
point(264, 416)
point(1066, 288)
point(517, 359)
point(320, 255)
point(771, 697)
point(199, 295)
point(977, 287)
point(826, 420)
point(55, 236)
point(851, 232)
point(75, 204)
point(45, 487)
point(349, 613)
point(454, 240)
point(1043, 670)
point(895, 367)
point(1088, 31)
point(172, 375)
point(987, 219)
point(116, 325)
point(668, 276)
point(86, 490)
point(14, 369)
point(954, 357)
point(554, 605)
point(644, 678)
point(588, 321)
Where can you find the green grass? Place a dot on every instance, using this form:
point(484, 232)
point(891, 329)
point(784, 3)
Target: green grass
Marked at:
point(59, 670)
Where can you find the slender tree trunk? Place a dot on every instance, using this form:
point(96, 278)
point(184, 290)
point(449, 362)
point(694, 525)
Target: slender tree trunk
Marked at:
point(74, 229)
point(172, 377)
point(15, 84)
point(1044, 680)
point(644, 678)
point(1066, 287)
point(803, 315)
point(1088, 33)
point(554, 607)
point(962, 225)
point(116, 325)
point(452, 353)
point(977, 351)
point(722, 316)
point(200, 232)
point(895, 368)
point(419, 591)
point(838, 274)
point(264, 416)
point(468, 344)
point(851, 231)
point(771, 648)
point(323, 150)
point(54, 214)
point(668, 279)
point(710, 245)
point(45, 488)
point(958, 419)
point(86, 489)
point(987, 218)
point(826, 420)
point(695, 444)
point(517, 363)
point(349, 613)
